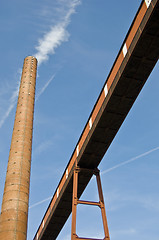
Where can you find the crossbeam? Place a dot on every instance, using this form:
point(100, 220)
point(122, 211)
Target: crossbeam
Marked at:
point(89, 203)
point(76, 201)
point(91, 238)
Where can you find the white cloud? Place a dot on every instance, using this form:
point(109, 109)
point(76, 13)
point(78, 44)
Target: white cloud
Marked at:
point(50, 41)
point(114, 196)
point(12, 102)
point(40, 202)
point(130, 160)
point(116, 200)
point(146, 201)
point(46, 46)
point(57, 33)
point(43, 146)
point(44, 87)
point(6, 114)
point(123, 232)
point(68, 237)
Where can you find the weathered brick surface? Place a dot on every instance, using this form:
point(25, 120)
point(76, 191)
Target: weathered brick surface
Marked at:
point(14, 211)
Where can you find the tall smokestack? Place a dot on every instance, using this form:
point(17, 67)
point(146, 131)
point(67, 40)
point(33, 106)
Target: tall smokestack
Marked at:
point(14, 211)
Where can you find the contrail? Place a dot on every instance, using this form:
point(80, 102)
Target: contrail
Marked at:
point(44, 87)
point(130, 160)
point(39, 203)
point(109, 170)
point(15, 96)
point(46, 46)
point(11, 106)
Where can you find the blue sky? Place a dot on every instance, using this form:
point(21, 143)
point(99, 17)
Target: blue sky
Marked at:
point(76, 43)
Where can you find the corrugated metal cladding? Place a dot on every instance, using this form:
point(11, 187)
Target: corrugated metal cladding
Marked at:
point(14, 212)
point(133, 65)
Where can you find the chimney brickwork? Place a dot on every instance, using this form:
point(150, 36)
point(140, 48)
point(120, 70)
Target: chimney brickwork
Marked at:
point(14, 211)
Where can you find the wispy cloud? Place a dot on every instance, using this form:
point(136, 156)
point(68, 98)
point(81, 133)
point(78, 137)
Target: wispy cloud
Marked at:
point(44, 87)
point(12, 102)
point(40, 202)
point(115, 195)
point(117, 200)
point(150, 202)
point(43, 146)
point(68, 236)
point(57, 33)
point(123, 232)
point(47, 44)
point(130, 160)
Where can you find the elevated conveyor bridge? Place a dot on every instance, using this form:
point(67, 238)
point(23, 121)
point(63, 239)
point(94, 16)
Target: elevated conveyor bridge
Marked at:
point(136, 59)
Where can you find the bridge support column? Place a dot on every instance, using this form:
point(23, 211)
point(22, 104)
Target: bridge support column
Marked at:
point(76, 201)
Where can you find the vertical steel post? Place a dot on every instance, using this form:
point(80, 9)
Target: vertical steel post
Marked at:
point(102, 206)
point(14, 211)
point(76, 201)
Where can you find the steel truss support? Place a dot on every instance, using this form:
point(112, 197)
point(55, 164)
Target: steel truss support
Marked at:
point(76, 201)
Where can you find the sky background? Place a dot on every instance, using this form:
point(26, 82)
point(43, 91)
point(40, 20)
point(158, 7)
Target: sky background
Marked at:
point(76, 43)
